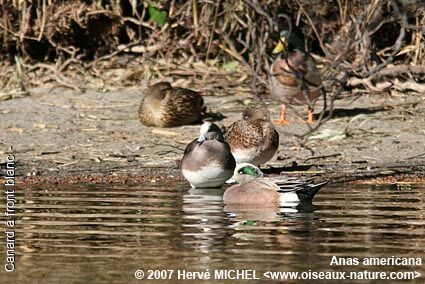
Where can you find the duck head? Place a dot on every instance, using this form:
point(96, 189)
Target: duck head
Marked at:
point(161, 86)
point(210, 131)
point(251, 114)
point(246, 172)
point(290, 40)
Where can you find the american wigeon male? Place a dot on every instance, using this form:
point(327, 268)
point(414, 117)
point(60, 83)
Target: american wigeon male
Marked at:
point(254, 189)
point(207, 161)
point(253, 139)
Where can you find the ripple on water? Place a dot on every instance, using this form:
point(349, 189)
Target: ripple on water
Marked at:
point(82, 231)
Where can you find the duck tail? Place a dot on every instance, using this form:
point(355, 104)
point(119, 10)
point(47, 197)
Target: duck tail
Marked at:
point(310, 190)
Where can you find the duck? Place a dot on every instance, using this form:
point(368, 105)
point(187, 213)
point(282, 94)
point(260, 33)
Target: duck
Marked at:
point(254, 189)
point(166, 106)
point(253, 139)
point(208, 161)
point(294, 77)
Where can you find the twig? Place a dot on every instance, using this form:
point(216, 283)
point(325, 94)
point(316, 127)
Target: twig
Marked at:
point(397, 70)
point(213, 29)
point(232, 51)
point(322, 46)
point(43, 21)
point(257, 7)
point(108, 56)
point(410, 85)
point(322, 157)
point(58, 77)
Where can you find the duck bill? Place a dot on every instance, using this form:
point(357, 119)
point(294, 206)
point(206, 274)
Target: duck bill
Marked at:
point(279, 47)
point(201, 139)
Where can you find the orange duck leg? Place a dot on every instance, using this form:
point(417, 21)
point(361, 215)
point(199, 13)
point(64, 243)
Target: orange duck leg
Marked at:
point(282, 120)
point(310, 119)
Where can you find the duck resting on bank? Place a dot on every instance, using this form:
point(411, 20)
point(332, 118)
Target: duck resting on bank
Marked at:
point(253, 139)
point(165, 106)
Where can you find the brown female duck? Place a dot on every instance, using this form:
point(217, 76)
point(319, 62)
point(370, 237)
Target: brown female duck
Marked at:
point(253, 139)
point(167, 106)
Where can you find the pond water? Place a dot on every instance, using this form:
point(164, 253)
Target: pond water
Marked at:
point(104, 233)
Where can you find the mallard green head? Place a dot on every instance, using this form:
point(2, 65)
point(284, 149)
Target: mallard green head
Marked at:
point(246, 172)
point(290, 40)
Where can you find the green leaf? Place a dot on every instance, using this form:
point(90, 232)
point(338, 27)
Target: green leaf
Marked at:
point(230, 65)
point(157, 16)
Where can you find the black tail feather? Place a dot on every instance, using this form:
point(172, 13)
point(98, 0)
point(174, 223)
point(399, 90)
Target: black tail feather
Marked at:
point(308, 192)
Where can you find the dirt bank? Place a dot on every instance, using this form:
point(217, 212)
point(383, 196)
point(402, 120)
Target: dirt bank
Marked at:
point(65, 136)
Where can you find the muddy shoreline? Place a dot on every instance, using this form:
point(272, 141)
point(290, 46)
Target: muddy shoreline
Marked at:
point(62, 136)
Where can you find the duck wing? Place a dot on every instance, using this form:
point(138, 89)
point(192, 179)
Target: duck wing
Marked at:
point(303, 63)
point(306, 189)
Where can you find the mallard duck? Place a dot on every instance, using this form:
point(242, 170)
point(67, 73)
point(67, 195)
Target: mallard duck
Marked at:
point(254, 189)
point(294, 76)
point(165, 106)
point(207, 161)
point(253, 139)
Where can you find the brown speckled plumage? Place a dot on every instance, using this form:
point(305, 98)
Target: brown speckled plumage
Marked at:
point(253, 139)
point(165, 106)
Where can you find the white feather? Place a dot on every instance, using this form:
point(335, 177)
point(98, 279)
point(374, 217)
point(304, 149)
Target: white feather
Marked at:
point(205, 127)
point(289, 199)
point(207, 177)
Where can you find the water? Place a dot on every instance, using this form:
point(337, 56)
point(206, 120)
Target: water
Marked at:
point(104, 233)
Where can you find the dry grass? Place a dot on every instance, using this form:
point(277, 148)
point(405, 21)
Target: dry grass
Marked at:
point(106, 44)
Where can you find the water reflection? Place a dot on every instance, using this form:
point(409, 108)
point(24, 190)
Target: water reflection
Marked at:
point(103, 233)
point(203, 218)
